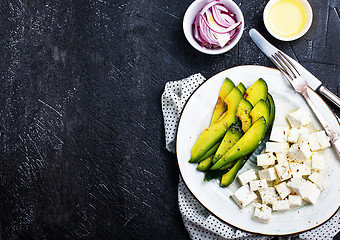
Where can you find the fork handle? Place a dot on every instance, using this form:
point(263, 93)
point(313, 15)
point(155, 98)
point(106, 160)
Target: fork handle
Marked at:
point(330, 131)
point(331, 96)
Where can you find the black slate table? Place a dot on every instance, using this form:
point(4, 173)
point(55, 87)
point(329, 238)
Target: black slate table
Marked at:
point(82, 145)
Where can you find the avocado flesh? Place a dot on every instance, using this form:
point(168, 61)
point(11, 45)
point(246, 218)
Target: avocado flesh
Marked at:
point(210, 152)
point(242, 113)
point(220, 106)
point(232, 135)
point(242, 88)
point(261, 109)
point(247, 144)
point(205, 164)
point(229, 177)
point(210, 136)
point(257, 91)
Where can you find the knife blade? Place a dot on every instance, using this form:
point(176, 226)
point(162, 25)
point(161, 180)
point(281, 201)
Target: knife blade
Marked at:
point(268, 49)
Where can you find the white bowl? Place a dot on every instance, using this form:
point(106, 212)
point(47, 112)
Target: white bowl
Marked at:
point(309, 19)
point(189, 18)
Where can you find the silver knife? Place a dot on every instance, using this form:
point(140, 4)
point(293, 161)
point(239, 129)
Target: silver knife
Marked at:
point(314, 83)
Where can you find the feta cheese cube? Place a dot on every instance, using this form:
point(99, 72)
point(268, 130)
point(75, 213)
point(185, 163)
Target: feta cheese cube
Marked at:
point(311, 127)
point(283, 171)
point(276, 146)
point(283, 190)
point(304, 134)
point(279, 133)
point(258, 184)
point(282, 156)
point(319, 140)
point(293, 135)
point(299, 118)
point(296, 183)
point(318, 162)
point(294, 200)
point(247, 176)
point(313, 143)
point(268, 174)
point(313, 195)
point(299, 152)
point(262, 213)
point(268, 195)
point(243, 196)
point(299, 169)
point(306, 188)
point(266, 159)
point(280, 205)
point(318, 178)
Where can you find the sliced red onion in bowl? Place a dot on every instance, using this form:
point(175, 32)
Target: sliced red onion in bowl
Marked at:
point(215, 26)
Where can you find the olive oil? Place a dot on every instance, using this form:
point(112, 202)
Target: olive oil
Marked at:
point(287, 17)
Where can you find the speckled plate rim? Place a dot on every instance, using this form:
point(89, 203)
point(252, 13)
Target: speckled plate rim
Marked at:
point(221, 75)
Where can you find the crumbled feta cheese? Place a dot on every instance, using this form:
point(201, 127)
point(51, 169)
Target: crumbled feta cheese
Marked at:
point(258, 184)
point(299, 169)
point(243, 196)
point(262, 213)
point(268, 174)
point(299, 118)
point(294, 200)
point(266, 159)
point(283, 190)
point(283, 171)
point(293, 135)
point(299, 151)
point(318, 162)
point(268, 195)
point(276, 146)
point(279, 133)
point(247, 176)
point(280, 205)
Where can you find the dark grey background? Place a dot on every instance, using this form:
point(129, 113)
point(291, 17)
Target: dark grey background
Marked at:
point(82, 150)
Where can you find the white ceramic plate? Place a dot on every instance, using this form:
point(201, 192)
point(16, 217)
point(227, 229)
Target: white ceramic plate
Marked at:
point(196, 116)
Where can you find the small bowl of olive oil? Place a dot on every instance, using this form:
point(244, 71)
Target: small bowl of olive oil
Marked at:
point(288, 20)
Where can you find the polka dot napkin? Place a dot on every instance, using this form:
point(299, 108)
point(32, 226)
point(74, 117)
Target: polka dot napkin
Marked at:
point(199, 222)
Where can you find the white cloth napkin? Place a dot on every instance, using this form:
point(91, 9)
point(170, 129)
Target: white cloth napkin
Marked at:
point(199, 222)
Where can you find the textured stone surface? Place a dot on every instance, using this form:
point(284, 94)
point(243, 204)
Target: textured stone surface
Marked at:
point(82, 151)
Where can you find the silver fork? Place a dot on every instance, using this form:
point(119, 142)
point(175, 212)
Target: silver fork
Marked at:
point(299, 84)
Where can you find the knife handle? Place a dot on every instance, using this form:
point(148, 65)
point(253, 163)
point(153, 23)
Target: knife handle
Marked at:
point(331, 96)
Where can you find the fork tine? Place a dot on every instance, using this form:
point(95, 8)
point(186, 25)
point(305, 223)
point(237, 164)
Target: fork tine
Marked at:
point(279, 65)
point(288, 65)
point(290, 62)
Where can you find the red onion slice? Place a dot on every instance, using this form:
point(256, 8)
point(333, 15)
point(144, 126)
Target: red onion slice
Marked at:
point(214, 26)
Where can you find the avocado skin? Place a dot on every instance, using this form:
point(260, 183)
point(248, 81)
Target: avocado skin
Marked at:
point(247, 144)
